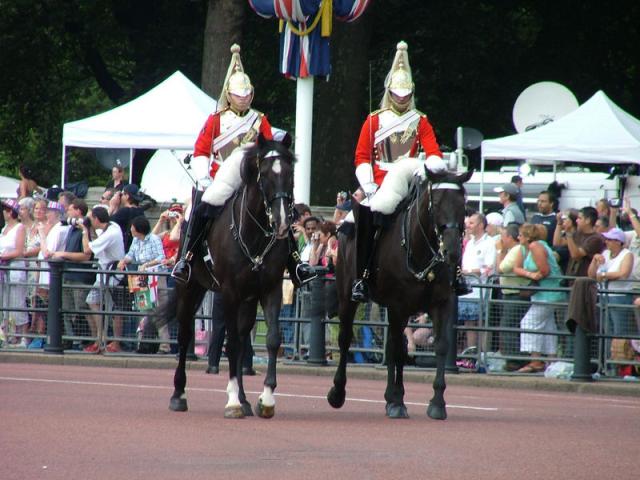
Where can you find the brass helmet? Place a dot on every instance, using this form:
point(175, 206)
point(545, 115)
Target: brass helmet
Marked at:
point(399, 80)
point(236, 82)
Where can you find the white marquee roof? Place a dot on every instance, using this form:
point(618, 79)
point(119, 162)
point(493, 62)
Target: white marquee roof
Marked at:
point(597, 132)
point(169, 116)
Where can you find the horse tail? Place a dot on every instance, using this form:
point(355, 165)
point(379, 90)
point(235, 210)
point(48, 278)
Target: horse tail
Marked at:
point(165, 312)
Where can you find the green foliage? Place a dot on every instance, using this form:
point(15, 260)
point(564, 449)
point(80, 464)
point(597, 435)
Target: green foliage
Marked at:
point(63, 60)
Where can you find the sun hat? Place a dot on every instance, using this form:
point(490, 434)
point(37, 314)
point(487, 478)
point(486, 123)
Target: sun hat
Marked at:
point(55, 206)
point(495, 218)
point(11, 204)
point(509, 188)
point(614, 234)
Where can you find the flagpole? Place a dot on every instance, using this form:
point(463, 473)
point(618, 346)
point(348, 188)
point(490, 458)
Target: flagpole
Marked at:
point(303, 136)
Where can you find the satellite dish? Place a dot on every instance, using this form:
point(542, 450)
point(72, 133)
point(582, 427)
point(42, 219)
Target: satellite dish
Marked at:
point(471, 138)
point(110, 157)
point(542, 103)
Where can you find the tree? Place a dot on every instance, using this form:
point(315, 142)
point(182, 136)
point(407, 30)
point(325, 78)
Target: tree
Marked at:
point(225, 20)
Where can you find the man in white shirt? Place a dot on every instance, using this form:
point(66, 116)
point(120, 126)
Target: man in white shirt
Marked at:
point(107, 248)
point(478, 261)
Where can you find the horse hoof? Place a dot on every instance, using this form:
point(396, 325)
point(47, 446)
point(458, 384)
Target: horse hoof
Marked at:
point(437, 412)
point(178, 404)
point(246, 409)
point(265, 411)
point(395, 410)
point(234, 412)
point(336, 398)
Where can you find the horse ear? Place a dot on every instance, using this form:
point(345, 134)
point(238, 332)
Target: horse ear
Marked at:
point(248, 167)
point(286, 141)
point(261, 141)
point(464, 178)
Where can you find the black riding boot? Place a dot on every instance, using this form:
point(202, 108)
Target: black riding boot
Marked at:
point(300, 272)
point(460, 285)
point(366, 237)
point(196, 229)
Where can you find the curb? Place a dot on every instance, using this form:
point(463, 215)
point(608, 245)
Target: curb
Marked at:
point(368, 372)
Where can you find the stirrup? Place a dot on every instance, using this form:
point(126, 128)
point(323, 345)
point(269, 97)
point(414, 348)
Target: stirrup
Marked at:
point(304, 273)
point(180, 270)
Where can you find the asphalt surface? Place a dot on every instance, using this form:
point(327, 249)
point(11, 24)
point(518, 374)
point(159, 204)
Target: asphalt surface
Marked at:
point(63, 418)
point(602, 386)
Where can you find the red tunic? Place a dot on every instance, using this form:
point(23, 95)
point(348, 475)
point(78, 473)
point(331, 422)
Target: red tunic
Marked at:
point(211, 130)
point(366, 153)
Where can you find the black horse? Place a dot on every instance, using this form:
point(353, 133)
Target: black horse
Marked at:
point(415, 264)
point(249, 246)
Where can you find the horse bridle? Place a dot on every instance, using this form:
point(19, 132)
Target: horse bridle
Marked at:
point(437, 255)
point(270, 231)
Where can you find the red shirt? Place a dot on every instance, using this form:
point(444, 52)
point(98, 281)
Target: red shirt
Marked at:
point(365, 149)
point(211, 130)
point(169, 246)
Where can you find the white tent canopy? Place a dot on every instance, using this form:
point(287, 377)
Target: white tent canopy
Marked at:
point(165, 178)
point(597, 132)
point(168, 116)
point(8, 187)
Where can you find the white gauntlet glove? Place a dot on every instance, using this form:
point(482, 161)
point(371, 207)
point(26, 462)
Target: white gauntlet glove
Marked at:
point(435, 164)
point(364, 174)
point(369, 189)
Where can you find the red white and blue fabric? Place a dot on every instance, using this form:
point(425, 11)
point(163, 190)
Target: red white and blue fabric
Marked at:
point(309, 55)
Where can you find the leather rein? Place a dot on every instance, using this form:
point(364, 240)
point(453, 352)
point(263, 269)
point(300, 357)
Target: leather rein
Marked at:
point(437, 254)
point(269, 231)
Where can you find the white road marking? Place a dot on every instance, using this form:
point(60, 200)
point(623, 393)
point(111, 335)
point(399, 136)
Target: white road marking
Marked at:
point(224, 391)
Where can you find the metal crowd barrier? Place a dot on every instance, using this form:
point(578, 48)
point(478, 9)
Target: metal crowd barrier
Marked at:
point(308, 334)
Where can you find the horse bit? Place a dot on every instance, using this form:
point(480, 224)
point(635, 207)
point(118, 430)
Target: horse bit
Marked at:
point(268, 232)
point(437, 257)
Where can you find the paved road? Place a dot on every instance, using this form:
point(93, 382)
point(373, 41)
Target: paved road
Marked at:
point(63, 422)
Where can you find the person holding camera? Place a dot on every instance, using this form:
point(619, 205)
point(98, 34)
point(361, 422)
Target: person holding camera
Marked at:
point(108, 247)
point(127, 207)
point(583, 242)
point(168, 228)
point(75, 291)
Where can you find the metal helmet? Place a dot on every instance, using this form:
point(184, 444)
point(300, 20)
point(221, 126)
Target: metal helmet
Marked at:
point(399, 80)
point(236, 81)
point(239, 84)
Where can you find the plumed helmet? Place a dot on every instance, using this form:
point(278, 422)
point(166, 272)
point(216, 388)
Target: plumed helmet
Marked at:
point(236, 82)
point(398, 80)
point(240, 84)
point(401, 83)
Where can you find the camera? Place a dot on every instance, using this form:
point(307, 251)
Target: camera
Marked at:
point(615, 202)
point(173, 215)
point(78, 222)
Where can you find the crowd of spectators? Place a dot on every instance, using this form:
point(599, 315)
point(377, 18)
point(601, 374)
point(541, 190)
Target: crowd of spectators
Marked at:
point(46, 225)
point(548, 251)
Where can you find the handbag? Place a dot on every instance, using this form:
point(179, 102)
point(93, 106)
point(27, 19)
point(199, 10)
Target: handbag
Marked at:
point(116, 279)
point(528, 293)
